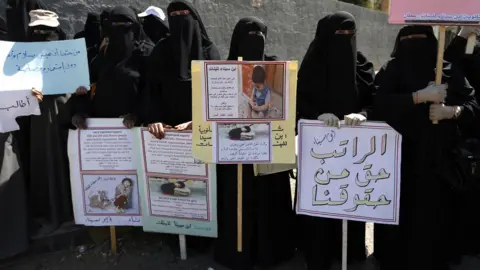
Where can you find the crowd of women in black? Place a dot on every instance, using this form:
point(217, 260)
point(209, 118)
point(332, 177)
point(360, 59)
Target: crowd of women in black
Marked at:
point(142, 73)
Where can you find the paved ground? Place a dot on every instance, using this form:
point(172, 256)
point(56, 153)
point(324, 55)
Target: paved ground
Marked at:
point(139, 250)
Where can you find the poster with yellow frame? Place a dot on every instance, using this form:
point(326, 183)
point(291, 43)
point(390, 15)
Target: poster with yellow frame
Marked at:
point(244, 112)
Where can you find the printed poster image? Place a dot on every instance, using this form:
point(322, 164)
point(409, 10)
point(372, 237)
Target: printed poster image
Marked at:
point(111, 195)
point(166, 196)
point(103, 174)
point(350, 173)
point(178, 192)
point(245, 90)
point(244, 142)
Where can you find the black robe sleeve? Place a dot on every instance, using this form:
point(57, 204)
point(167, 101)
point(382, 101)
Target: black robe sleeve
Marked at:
point(365, 82)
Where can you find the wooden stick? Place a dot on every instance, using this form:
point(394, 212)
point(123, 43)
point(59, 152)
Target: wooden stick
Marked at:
point(183, 247)
point(239, 201)
point(440, 53)
point(113, 239)
point(344, 244)
point(471, 44)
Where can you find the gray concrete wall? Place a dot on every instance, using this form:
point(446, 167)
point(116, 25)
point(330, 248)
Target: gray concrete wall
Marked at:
point(291, 23)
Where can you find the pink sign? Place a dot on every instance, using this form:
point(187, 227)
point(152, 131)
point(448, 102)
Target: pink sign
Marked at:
point(435, 12)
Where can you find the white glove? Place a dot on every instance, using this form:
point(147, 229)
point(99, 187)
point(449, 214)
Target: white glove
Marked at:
point(433, 93)
point(354, 119)
point(330, 120)
point(468, 30)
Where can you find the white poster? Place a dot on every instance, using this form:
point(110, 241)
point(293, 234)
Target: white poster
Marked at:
point(103, 176)
point(349, 173)
point(178, 192)
point(14, 104)
point(55, 67)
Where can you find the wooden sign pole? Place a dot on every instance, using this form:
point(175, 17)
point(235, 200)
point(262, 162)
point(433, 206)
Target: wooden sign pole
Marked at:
point(113, 239)
point(471, 44)
point(344, 244)
point(183, 247)
point(440, 53)
point(239, 201)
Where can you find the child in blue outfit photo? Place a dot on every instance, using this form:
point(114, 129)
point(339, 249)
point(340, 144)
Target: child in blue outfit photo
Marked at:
point(260, 100)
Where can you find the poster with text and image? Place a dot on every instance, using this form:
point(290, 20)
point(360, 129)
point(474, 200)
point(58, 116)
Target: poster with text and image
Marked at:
point(350, 173)
point(103, 174)
point(435, 12)
point(55, 67)
point(244, 112)
point(178, 191)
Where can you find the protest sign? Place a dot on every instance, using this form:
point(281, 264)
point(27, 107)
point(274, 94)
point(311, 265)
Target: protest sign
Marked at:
point(351, 173)
point(239, 119)
point(178, 192)
point(54, 67)
point(14, 104)
point(103, 175)
point(436, 12)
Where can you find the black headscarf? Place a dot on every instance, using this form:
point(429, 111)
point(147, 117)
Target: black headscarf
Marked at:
point(334, 77)
point(104, 21)
point(169, 71)
point(91, 31)
point(250, 46)
point(155, 28)
point(416, 57)
point(3, 29)
point(187, 41)
point(121, 39)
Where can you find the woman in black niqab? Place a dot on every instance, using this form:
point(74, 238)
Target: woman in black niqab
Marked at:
point(268, 217)
point(13, 204)
point(408, 101)
point(170, 79)
point(118, 72)
point(335, 81)
point(45, 153)
point(92, 34)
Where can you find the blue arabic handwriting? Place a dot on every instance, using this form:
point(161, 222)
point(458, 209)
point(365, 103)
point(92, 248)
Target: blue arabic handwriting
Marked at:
point(63, 66)
point(45, 54)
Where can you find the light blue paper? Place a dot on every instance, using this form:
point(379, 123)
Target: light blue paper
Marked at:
point(172, 225)
point(54, 67)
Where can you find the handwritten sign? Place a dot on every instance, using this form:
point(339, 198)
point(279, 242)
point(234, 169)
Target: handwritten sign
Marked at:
point(55, 67)
point(436, 12)
point(14, 104)
point(104, 182)
point(178, 192)
point(226, 126)
point(349, 173)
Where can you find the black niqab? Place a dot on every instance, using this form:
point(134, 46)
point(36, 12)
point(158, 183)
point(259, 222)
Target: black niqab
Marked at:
point(332, 69)
point(43, 33)
point(121, 37)
point(248, 40)
point(185, 38)
point(104, 22)
point(91, 31)
point(415, 56)
point(155, 28)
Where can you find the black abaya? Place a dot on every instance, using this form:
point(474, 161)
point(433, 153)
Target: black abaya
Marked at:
point(333, 78)
point(268, 217)
point(421, 241)
point(13, 204)
point(45, 154)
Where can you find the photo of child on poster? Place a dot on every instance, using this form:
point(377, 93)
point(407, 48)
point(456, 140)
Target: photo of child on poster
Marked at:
point(244, 142)
point(178, 197)
point(262, 94)
point(111, 194)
